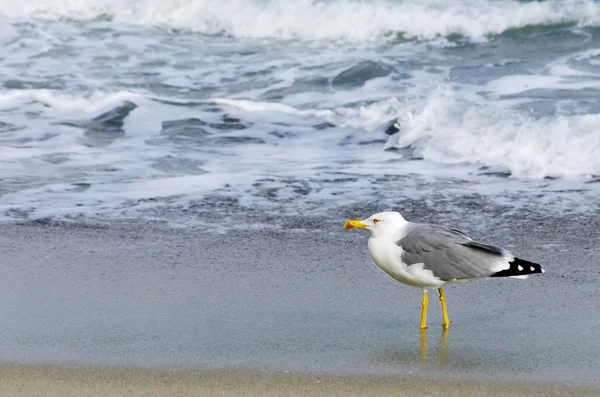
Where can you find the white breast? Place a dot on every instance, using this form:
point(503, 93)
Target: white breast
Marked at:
point(387, 255)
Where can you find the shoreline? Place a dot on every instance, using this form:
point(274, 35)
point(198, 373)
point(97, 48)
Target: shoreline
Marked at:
point(55, 380)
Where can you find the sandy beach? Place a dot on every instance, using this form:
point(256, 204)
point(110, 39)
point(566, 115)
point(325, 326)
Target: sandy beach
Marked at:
point(55, 381)
point(271, 312)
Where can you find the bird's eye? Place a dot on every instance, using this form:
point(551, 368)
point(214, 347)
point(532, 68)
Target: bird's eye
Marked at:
point(376, 221)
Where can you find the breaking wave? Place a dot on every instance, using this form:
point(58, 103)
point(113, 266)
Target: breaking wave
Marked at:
point(352, 20)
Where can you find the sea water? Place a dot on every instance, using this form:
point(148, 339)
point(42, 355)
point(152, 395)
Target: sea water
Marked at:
point(188, 111)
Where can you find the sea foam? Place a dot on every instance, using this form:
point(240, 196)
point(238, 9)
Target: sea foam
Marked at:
point(446, 129)
point(311, 19)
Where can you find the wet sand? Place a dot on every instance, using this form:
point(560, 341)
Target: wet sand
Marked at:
point(49, 381)
point(147, 297)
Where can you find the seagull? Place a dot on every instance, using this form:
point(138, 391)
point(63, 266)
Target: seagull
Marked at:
point(430, 256)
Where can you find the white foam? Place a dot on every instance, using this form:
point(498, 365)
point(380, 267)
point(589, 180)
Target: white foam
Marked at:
point(95, 102)
point(445, 127)
point(563, 73)
point(268, 107)
point(311, 19)
point(448, 130)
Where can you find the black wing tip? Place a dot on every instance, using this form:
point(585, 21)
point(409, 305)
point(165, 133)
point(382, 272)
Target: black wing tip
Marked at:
point(520, 267)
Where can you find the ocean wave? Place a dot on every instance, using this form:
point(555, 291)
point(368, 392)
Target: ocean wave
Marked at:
point(446, 129)
point(443, 127)
point(123, 155)
point(352, 20)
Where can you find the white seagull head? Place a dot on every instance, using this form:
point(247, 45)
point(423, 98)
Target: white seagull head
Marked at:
point(380, 224)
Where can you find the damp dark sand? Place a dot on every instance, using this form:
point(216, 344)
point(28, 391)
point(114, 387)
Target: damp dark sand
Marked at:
point(51, 381)
point(124, 306)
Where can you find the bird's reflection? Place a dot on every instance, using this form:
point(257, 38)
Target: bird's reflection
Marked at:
point(442, 352)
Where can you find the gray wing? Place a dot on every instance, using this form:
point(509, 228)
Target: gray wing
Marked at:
point(451, 254)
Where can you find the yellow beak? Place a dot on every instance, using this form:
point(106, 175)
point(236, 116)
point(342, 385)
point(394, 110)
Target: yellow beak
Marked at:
point(354, 224)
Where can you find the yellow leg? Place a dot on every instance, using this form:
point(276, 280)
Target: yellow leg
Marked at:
point(424, 303)
point(446, 322)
